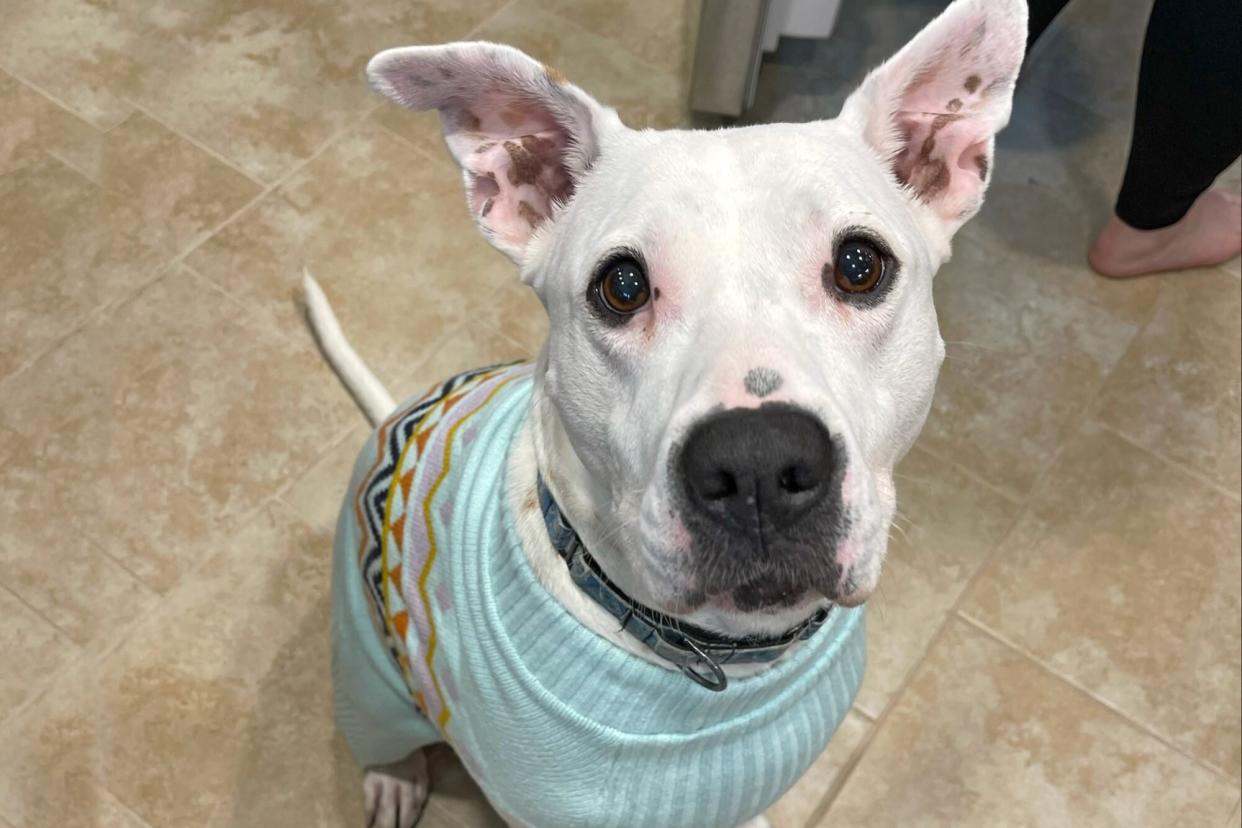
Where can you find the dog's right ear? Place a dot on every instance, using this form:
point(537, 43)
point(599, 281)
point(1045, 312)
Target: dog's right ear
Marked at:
point(521, 133)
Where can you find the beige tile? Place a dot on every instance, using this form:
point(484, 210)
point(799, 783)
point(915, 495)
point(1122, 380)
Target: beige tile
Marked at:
point(948, 525)
point(1125, 577)
point(54, 550)
point(31, 649)
point(168, 418)
point(197, 704)
point(516, 312)
point(1235, 821)
point(9, 441)
point(86, 54)
point(69, 244)
point(1176, 391)
point(661, 32)
point(62, 257)
point(470, 346)
point(644, 95)
point(263, 84)
point(383, 229)
point(33, 125)
point(604, 67)
point(797, 807)
point(173, 183)
point(984, 737)
point(1024, 360)
point(318, 494)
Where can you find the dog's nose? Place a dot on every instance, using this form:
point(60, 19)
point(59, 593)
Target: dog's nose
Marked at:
point(757, 469)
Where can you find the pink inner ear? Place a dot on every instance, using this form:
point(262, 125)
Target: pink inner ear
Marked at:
point(945, 150)
point(514, 157)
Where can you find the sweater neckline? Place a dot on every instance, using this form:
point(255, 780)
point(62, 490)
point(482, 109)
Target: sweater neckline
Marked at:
point(549, 658)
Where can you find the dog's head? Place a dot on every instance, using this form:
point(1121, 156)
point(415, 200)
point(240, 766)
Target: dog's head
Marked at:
point(743, 341)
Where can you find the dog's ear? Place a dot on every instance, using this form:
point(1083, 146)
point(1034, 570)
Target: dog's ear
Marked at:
point(932, 111)
point(521, 133)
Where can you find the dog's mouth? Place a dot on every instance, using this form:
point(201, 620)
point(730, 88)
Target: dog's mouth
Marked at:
point(699, 652)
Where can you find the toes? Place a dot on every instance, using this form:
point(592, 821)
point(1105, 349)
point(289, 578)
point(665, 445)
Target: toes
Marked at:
point(372, 790)
point(409, 804)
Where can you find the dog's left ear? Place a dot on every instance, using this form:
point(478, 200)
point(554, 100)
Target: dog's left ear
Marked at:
point(933, 110)
point(521, 133)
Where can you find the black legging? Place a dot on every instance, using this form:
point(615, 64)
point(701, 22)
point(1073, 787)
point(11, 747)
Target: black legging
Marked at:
point(1188, 116)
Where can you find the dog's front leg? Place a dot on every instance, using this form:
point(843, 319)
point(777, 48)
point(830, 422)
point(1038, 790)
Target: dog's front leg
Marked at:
point(396, 793)
point(758, 822)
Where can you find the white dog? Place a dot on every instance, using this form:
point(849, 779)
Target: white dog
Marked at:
point(624, 582)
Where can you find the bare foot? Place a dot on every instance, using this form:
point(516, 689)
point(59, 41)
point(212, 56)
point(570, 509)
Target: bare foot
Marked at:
point(1210, 233)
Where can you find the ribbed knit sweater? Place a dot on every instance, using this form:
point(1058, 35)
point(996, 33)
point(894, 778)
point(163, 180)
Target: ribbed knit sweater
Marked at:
point(442, 633)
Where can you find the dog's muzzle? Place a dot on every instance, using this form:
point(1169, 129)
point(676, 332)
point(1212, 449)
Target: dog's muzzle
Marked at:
point(699, 653)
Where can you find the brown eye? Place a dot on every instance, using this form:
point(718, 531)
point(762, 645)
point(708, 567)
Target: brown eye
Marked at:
point(623, 288)
point(859, 267)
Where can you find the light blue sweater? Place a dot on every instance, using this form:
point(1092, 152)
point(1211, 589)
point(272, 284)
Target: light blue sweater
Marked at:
point(442, 633)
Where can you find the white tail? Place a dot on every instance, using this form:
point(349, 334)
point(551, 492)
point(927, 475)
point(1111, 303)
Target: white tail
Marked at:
point(368, 392)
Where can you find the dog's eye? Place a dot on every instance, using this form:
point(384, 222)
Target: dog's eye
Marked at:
point(859, 267)
point(623, 287)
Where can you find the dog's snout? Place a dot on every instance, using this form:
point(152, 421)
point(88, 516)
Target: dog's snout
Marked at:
point(758, 469)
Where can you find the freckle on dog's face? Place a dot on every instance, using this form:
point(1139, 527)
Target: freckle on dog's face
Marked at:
point(737, 236)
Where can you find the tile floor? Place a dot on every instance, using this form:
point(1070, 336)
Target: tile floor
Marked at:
point(170, 437)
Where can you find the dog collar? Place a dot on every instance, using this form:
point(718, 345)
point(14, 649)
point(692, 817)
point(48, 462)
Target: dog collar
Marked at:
point(699, 653)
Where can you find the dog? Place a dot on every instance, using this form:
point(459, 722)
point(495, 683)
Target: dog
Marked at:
point(625, 582)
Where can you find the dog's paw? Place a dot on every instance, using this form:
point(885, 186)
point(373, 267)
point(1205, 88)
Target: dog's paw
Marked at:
point(758, 822)
point(395, 794)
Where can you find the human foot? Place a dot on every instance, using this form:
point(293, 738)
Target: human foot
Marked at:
point(1210, 233)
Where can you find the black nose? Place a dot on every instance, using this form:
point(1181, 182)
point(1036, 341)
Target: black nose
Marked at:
point(758, 469)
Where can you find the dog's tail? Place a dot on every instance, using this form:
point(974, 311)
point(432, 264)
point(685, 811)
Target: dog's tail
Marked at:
point(368, 392)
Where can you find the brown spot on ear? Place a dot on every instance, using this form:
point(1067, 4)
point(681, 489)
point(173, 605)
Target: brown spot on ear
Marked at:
point(523, 167)
point(487, 207)
point(934, 179)
point(533, 217)
point(928, 145)
point(544, 149)
point(484, 147)
point(972, 83)
point(470, 121)
point(554, 74)
point(954, 105)
point(942, 120)
point(981, 161)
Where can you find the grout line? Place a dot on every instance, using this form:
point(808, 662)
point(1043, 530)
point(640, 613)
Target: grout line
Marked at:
point(99, 548)
point(294, 170)
point(1127, 718)
point(191, 140)
point(59, 629)
point(899, 692)
point(1013, 497)
point(438, 159)
point(501, 9)
point(60, 104)
point(877, 724)
point(1176, 464)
